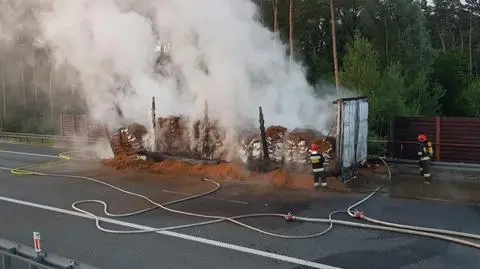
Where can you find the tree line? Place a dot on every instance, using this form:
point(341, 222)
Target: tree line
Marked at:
point(411, 58)
point(33, 94)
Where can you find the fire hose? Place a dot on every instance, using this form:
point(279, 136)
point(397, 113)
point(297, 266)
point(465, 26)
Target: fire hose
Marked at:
point(453, 236)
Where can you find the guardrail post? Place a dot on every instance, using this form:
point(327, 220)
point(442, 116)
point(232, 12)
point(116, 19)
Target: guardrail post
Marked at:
point(6, 262)
point(38, 249)
point(437, 138)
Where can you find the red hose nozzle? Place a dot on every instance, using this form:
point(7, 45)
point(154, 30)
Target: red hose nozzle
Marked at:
point(289, 217)
point(358, 215)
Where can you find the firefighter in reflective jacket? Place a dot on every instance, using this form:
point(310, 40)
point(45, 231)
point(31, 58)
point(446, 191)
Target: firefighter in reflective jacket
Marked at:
point(425, 154)
point(317, 159)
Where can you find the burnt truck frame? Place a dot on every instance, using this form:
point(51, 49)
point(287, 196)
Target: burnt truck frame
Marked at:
point(350, 139)
point(349, 142)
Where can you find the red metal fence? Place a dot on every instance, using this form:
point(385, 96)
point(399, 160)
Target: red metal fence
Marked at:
point(80, 125)
point(455, 139)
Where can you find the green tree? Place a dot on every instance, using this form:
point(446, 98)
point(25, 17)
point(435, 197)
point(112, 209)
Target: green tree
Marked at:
point(361, 75)
point(450, 71)
point(424, 97)
point(399, 30)
point(390, 101)
point(473, 8)
point(360, 71)
point(468, 101)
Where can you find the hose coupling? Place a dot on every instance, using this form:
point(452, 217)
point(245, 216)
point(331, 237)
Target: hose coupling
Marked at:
point(359, 214)
point(289, 217)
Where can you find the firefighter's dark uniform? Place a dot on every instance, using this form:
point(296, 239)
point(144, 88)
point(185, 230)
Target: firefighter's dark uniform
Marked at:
point(317, 160)
point(425, 154)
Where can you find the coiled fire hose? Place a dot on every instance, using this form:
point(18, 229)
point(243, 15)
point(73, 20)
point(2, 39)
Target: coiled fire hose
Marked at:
point(379, 225)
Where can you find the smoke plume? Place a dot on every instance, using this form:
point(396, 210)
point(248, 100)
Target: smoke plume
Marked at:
point(215, 51)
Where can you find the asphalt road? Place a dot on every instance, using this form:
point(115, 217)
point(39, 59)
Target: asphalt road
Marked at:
point(76, 237)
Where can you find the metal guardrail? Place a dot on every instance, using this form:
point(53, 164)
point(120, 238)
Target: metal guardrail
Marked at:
point(45, 138)
point(440, 165)
point(11, 252)
point(462, 168)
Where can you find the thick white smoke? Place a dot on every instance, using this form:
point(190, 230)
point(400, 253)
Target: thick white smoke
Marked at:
point(113, 43)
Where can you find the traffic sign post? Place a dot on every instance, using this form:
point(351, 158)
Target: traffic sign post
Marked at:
point(36, 242)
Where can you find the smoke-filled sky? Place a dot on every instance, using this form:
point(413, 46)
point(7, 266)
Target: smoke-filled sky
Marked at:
point(111, 43)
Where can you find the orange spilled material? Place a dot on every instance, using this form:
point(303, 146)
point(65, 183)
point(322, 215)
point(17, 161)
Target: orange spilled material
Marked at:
point(225, 171)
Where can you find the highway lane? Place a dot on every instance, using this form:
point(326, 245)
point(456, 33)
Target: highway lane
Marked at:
point(38, 149)
point(76, 237)
point(343, 247)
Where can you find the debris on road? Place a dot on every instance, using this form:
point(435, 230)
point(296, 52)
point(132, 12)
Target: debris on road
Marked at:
point(223, 171)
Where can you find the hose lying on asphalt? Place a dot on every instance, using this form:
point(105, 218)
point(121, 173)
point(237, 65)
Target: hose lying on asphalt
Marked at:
point(384, 226)
point(361, 215)
point(22, 170)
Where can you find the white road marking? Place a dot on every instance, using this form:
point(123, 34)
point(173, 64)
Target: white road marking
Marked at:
point(177, 235)
point(213, 198)
point(30, 154)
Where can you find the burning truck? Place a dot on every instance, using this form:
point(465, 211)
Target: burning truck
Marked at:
point(204, 140)
point(273, 147)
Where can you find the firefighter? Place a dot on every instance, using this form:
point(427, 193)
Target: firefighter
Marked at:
point(425, 154)
point(317, 159)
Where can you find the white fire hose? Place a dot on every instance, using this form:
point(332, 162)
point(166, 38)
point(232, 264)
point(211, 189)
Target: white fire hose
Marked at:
point(378, 225)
